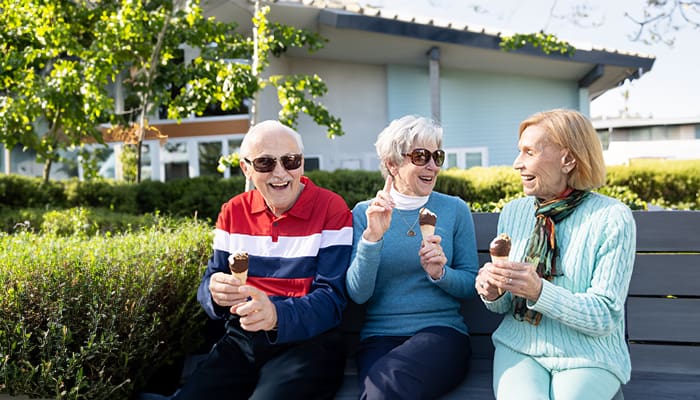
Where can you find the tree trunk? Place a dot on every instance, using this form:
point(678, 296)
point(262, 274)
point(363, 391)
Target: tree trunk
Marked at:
point(138, 161)
point(47, 169)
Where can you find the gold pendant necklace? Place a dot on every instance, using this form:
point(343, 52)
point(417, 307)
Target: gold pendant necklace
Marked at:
point(410, 232)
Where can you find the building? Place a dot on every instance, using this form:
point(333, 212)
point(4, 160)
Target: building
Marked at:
point(380, 65)
point(626, 139)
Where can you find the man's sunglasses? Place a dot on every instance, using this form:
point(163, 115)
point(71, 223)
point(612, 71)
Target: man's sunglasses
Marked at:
point(267, 164)
point(421, 157)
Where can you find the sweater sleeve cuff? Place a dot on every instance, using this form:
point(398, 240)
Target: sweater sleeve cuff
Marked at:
point(547, 299)
point(499, 305)
point(444, 274)
point(368, 243)
point(370, 249)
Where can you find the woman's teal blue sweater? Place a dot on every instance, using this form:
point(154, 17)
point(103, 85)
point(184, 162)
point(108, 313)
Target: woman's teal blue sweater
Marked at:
point(387, 275)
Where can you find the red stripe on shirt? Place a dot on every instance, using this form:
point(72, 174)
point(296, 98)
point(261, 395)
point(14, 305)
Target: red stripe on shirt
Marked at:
point(287, 287)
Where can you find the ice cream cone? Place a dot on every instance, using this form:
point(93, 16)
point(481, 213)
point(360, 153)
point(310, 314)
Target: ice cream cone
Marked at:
point(238, 264)
point(427, 220)
point(499, 248)
point(241, 276)
point(427, 230)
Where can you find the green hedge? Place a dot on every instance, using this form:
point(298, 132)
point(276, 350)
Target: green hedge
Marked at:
point(94, 317)
point(664, 183)
point(90, 313)
point(668, 184)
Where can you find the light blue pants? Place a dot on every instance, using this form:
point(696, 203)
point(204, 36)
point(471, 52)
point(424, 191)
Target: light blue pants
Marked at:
point(518, 376)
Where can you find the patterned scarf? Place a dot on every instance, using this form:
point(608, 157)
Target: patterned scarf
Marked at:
point(542, 249)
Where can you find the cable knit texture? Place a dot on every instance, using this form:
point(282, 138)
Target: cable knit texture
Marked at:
point(387, 275)
point(583, 322)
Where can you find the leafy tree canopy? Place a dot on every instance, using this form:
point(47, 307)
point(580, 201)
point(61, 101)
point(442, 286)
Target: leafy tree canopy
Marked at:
point(60, 57)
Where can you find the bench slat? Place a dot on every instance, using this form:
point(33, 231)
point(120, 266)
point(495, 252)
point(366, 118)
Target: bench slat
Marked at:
point(485, 226)
point(651, 358)
point(668, 231)
point(657, 231)
point(478, 318)
point(661, 386)
point(666, 274)
point(662, 319)
point(482, 346)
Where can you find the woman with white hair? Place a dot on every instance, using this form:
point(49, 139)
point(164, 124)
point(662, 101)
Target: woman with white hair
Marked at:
point(414, 341)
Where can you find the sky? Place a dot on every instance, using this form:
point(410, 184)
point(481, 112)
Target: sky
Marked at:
point(670, 90)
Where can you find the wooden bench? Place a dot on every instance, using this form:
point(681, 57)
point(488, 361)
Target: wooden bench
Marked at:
point(663, 313)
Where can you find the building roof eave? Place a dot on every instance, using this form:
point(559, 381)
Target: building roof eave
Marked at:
point(612, 67)
point(379, 36)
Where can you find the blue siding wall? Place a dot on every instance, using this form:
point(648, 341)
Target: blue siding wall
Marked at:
point(481, 109)
point(478, 109)
point(408, 91)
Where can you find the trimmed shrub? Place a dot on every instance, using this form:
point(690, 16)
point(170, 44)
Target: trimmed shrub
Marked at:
point(666, 183)
point(24, 191)
point(671, 184)
point(353, 186)
point(73, 221)
point(103, 193)
point(95, 317)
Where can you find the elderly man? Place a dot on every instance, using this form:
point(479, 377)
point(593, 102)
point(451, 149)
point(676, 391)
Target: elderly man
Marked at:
point(281, 338)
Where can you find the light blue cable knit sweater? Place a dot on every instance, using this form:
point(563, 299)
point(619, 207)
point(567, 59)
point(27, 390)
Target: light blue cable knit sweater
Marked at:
point(401, 298)
point(583, 311)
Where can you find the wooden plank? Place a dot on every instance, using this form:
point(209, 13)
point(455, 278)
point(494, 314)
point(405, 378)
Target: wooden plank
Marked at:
point(650, 358)
point(663, 320)
point(477, 385)
point(482, 346)
point(675, 231)
point(666, 274)
point(662, 386)
point(657, 231)
point(485, 225)
point(478, 318)
point(484, 257)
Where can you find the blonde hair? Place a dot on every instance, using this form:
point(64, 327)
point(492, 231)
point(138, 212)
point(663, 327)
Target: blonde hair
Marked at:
point(400, 136)
point(573, 131)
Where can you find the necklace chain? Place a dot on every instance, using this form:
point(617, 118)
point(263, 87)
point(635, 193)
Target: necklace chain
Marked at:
point(410, 231)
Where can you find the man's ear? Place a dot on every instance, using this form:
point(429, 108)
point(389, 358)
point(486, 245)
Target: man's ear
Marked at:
point(244, 168)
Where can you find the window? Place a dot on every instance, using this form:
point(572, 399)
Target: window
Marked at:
point(466, 157)
point(604, 136)
point(209, 153)
point(311, 163)
point(234, 146)
point(175, 160)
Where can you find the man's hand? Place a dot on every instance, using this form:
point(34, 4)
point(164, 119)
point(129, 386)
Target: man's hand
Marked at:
point(257, 314)
point(224, 290)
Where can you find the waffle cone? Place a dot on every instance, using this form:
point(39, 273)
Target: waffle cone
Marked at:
point(499, 259)
point(427, 230)
point(241, 276)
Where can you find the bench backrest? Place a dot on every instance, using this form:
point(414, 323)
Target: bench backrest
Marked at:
point(663, 306)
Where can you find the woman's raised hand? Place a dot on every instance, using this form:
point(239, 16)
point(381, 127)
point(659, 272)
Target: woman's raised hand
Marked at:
point(379, 213)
